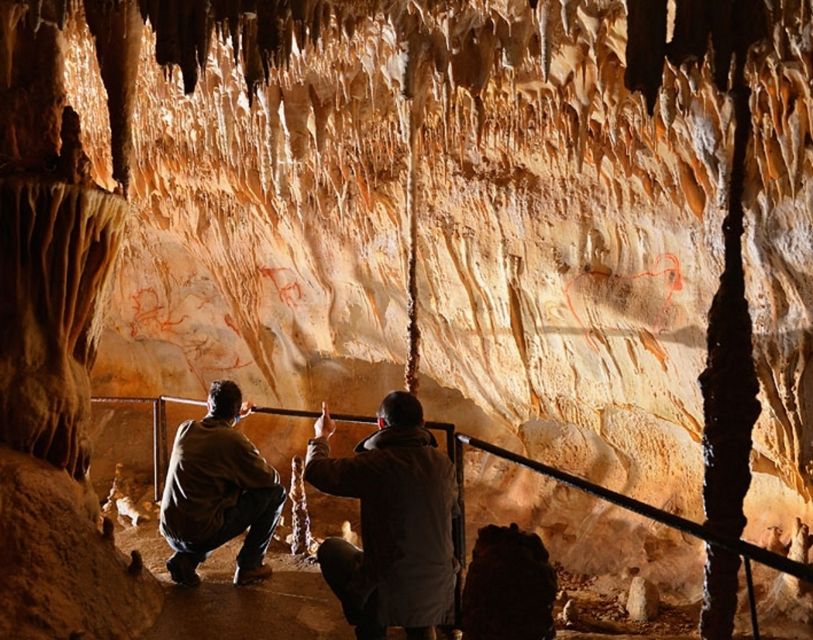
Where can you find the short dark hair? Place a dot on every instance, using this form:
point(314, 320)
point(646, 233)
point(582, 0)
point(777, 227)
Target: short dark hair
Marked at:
point(225, 397)
point(401, 410)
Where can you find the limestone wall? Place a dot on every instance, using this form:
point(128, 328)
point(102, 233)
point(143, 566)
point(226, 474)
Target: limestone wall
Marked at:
point(569, 247)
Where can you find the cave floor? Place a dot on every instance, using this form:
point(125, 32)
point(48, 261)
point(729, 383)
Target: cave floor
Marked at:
point(295, 604)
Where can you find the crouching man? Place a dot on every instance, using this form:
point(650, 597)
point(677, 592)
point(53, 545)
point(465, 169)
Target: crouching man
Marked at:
point(405, 576)
point(218, 485)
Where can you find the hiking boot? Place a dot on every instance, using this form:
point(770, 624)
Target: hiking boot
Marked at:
point(243, 577)
point(181, 567)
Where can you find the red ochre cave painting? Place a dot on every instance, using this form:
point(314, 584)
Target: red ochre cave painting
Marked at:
point(156, 320)
point(284, 280)
point(148, 310)
point(666, 269)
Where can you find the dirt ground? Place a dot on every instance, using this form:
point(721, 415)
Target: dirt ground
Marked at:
point(295, 604)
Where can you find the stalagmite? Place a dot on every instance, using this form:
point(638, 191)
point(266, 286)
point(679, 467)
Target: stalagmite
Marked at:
point(800, 543)
point(510, 587)
point(300, 519)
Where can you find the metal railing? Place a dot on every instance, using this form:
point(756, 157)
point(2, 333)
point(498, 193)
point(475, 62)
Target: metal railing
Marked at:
point(736, 546)
point(160, 444)
point(455, 447)
point(157, 449)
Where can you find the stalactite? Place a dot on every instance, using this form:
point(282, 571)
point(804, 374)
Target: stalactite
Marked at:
point(646, 48)
point(117, 29)
point(183, 31)
point(32, 91)
point(691, 33)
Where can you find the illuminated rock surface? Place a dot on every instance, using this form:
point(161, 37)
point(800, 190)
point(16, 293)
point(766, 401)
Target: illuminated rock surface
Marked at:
point(569, 248)
point(568, 245)
point(60, 577)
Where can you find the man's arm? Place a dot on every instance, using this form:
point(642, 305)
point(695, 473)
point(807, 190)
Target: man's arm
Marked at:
point(336, 476)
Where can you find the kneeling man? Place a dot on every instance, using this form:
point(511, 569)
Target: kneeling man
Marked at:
point(405, 576)
point(218, 485)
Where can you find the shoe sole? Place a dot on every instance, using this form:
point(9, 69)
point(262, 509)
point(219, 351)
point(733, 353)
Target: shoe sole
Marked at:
point(180, 579)
point(242, 582)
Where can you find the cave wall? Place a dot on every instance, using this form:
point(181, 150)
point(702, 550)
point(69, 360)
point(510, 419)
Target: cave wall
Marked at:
point(569, 246)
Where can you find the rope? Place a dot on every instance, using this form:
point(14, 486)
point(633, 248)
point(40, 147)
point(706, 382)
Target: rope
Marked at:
point(413, 332)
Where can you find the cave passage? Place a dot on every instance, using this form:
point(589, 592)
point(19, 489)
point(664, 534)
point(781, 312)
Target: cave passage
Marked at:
point(546, 217)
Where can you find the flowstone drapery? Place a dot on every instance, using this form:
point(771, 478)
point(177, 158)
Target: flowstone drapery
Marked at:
point(58, 239)
point(57, 243)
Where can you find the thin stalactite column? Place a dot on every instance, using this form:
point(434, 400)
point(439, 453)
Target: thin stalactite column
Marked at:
point(729, 386)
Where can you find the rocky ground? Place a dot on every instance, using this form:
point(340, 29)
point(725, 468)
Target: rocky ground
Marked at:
point(296, 604)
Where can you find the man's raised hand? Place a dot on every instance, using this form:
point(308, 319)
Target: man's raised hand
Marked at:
point(324, 425)
point(246, 408)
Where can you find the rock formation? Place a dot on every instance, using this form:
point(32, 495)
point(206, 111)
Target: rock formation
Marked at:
point(60, 576)
point(566, 166)
point(510, 587)
point(59, 236)
point(300, 520)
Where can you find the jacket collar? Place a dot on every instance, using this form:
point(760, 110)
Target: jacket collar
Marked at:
point(390, 438)
point(216, 423)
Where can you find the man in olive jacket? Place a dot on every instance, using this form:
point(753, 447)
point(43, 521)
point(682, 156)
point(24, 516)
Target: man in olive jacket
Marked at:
point(217, 486)
point(405, 576)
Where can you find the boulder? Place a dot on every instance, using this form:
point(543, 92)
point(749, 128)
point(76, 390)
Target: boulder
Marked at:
point(59, 577)
point(510, 587)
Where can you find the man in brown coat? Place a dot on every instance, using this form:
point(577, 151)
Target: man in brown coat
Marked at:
point(218, 485)
point(405, 576)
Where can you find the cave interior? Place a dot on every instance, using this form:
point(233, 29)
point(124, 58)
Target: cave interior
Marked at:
point(577, 229)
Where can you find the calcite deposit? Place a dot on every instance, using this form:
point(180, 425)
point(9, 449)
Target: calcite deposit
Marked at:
point(510, 587)
point(569, 243)
point(301, 540)
point(60, 577)
point(555, 175)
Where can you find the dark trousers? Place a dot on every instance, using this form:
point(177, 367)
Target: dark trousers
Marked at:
point(340, 562)
point(257, 510)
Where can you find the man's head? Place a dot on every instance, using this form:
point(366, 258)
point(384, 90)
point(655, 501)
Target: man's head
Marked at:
point(225, 399)
point(400, 410)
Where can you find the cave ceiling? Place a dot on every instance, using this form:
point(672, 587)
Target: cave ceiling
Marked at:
point(569, 237)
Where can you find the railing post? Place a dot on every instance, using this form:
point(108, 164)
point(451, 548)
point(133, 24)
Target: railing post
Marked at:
point(751, 597)
point(160, 454)
point(156, 448)
point(459, 527)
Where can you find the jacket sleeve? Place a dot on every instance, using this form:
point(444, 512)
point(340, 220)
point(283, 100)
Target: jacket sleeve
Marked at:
point(250, 468)
point(337, 476)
